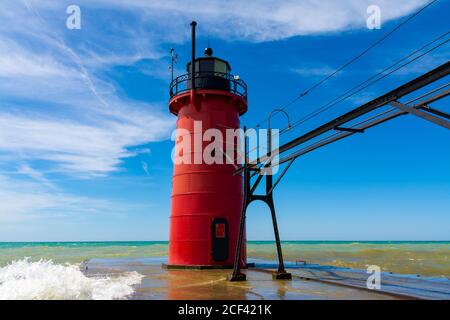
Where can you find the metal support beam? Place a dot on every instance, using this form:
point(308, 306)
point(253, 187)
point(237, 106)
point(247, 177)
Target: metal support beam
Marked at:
point(389, 115)
point(255, 185)
point(374, 121)
point(436, 112)
point(436, 97)
point(349, 129)
point(413, 85)
point(420, 82)
point(281, 175)
point(422, 114)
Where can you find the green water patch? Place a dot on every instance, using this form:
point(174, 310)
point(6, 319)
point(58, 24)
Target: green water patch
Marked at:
point(407, 257)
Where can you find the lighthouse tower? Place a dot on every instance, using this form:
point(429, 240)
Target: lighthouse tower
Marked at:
point(206, 198)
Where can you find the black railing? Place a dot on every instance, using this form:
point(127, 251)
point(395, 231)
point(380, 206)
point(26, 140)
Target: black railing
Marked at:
point(209, 80)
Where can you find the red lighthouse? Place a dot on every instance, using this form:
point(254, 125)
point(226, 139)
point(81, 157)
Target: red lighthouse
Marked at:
point(206, 198)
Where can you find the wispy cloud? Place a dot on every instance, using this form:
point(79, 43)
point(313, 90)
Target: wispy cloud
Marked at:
point(28, 200)
point(145, 167)
point(321, 71)
point(76, 147)
point(59, 110)
point(36, 175)
point(259, 20)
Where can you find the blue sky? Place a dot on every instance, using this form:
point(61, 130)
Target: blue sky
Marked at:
point(85, 129)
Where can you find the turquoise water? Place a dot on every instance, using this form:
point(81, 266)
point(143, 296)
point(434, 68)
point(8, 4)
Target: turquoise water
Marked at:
point(4, 245)
point(69, 244)
point(430, 258)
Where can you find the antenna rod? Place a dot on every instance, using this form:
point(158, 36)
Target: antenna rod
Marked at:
point(193, 24)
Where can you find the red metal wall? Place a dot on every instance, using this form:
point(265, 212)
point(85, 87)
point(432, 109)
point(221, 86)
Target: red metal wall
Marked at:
point(202, 192)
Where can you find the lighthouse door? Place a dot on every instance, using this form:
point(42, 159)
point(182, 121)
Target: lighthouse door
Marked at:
point(219, 233)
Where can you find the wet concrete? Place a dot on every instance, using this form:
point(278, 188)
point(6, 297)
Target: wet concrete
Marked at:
point(160, 283)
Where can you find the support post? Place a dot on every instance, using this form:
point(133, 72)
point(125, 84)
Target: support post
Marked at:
point(237, 274)
point(281, 272)
point(249, 196)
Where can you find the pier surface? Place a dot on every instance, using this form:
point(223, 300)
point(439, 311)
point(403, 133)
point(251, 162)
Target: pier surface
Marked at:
point(394, 285)
point(309, 282)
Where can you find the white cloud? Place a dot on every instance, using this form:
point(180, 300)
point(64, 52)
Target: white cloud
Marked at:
point(24, 201)
point(38, 176)
point(15, 64)
point(57, 108)
point(321, 71)
point(259, 20)
point(77, 147)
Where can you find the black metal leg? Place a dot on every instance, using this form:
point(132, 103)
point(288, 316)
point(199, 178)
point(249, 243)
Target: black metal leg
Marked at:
point(237, 274)
point(248, 198)
point(281, 273)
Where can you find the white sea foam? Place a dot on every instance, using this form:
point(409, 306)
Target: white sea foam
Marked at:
point(23, 279)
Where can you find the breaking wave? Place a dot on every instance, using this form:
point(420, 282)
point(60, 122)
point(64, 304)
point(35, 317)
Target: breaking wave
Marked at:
point(45, 280)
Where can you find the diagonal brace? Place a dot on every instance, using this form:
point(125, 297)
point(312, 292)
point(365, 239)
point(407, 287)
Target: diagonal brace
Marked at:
point(422, 114)
point(435, 111)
